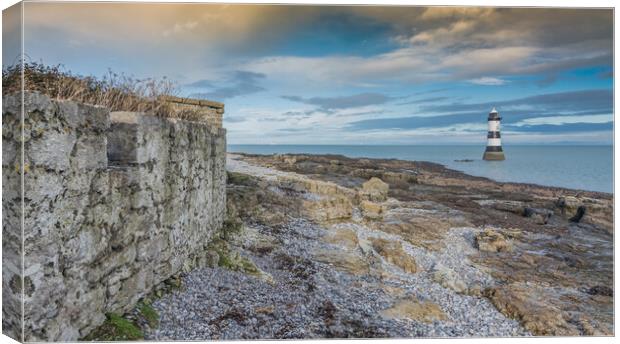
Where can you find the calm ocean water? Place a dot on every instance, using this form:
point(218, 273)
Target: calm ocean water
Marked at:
point(575, 167)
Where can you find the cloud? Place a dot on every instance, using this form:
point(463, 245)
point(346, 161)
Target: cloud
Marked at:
point(435, 43)
point(416, 122)
point(595, 100)
point(425, 100)
point(181, 28)
point(488, 81)
point(565, 128)
point(342, 102)
point(240, 83)
point(565, 108)
point(228, 119)
point(561, 120)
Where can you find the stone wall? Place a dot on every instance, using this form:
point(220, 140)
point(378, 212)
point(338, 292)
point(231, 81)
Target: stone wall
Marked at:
point(114, 204)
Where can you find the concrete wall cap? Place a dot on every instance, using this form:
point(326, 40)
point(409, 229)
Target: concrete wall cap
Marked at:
point(192, 101)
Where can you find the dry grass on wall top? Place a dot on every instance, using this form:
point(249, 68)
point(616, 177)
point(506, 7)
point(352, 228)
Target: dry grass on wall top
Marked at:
point(117, 92)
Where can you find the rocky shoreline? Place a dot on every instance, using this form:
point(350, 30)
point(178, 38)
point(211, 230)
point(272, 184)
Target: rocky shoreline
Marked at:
point(332, 247)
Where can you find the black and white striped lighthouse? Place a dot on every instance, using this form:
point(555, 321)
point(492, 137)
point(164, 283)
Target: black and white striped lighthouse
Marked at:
point(494, 142)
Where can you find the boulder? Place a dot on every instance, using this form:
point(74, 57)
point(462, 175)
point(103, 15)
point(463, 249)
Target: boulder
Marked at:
point(374, 190)
point(393, 253)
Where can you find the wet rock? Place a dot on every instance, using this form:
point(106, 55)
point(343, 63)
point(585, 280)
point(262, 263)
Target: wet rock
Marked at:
point(581, 211)
point(414, 309)
point(374, 190)
point(600, 290)
point(492, 241)
point(393, 253)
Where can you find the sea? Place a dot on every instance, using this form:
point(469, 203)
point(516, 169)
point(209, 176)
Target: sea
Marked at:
point(575, 167)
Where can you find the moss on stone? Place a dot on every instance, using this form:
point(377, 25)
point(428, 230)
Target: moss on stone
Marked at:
point(148, 313)
point(115, 328)
point(232, 226)
point(232, 260)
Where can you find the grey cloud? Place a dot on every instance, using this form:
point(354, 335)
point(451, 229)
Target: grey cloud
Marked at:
point(509, 119)
point(565, 128)
point(239, 84)
point(344, 102)
point(201, 84)
point(425, 100)
point(234, 119)
point(299, 114)
point(548, 80)
point(586, 100)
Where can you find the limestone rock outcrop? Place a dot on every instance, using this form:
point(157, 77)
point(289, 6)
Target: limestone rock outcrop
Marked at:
point(374, 190)
point(393, 253)
point(532, 309)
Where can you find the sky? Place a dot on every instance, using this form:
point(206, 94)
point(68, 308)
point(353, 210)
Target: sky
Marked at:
point(347, 74)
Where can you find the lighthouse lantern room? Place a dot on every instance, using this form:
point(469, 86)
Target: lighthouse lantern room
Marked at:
point(494, 142)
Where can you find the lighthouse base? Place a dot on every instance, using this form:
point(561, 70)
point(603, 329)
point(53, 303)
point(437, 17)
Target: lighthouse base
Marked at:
point(493, 156)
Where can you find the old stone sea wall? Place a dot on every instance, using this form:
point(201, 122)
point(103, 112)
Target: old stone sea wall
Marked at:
point(114, 203)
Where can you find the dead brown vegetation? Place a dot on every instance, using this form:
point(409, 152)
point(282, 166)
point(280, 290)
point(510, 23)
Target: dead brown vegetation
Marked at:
point(118, 92)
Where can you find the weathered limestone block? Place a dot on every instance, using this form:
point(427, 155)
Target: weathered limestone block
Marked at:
point(372, 210)
point(374, 190)
point(322, 201)
point(113, 205)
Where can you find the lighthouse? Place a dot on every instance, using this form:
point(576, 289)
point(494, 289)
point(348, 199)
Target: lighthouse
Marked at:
point(494, 142)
